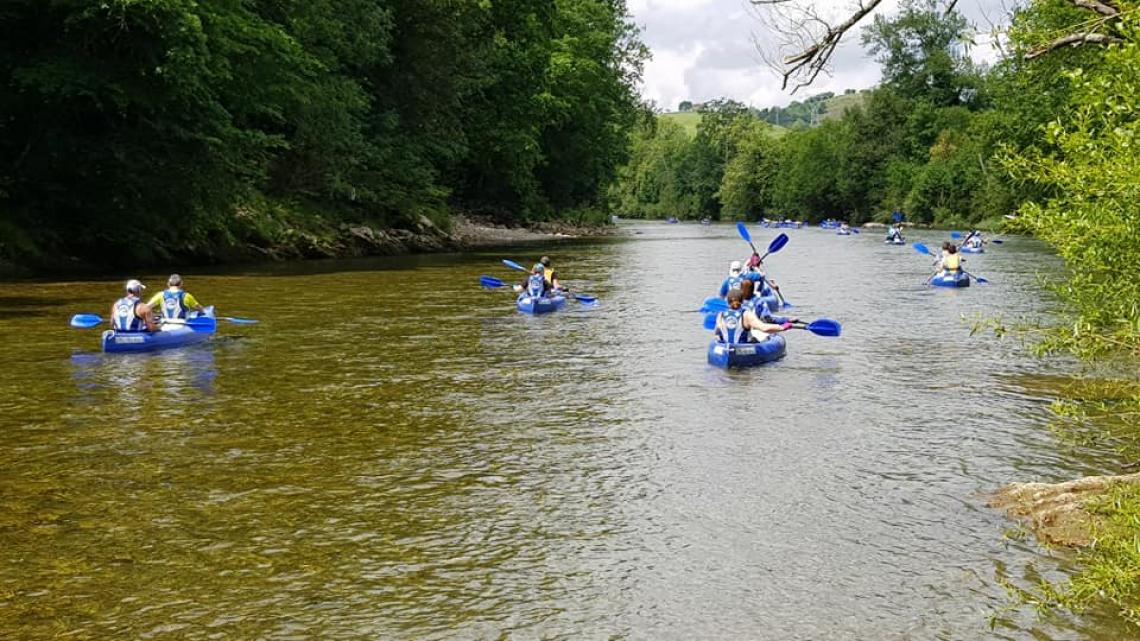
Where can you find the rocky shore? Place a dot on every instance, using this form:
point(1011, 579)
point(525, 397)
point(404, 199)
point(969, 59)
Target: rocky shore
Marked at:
point(1057, 512)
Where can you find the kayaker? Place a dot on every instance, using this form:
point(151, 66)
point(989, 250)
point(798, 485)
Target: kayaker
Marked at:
point(130, 314)
point(951, 263)
point(974, 240)
point(894, 233)
point(550, 275)
point(535, 284)
point(756, 272)
point(739, 325)
point(733, 280)
point(174, 302)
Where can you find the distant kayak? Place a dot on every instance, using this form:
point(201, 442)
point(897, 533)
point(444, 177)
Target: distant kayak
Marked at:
point(540, 304)
point(897, 241)
point(170, 336)
point(730, 355)
point(966, 249)
point(952, 280)
point(671, 221)
point(843, 232)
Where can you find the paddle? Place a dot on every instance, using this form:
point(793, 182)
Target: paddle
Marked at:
point(820, 327)
point(494, 283)
point(776, 245)
point(923, 249)
point(513, 265)
point(239, 321)
point(199, 324)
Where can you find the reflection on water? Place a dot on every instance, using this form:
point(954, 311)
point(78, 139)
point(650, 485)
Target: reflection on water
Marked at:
point(434, 465)
point(178, 375)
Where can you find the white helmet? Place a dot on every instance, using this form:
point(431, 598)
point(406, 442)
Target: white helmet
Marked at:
point(135, 286)
point(734, 268)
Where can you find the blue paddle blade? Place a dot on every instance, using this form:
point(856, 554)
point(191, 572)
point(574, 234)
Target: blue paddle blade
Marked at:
point(785, 304)
point(777, 243)
point(709, 321)
point(922, 249)
point(743, 231)
point(955, 235)
point(714, 305)
point(489, 282)
point(203, 324)
point(854, 230)
point(824, 327)
point(585, 299)
point(513, 265)
point(239, 321)
point(996, 241)
point(85, 321)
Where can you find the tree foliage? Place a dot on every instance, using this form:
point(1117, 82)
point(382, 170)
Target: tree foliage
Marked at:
point(139, 131)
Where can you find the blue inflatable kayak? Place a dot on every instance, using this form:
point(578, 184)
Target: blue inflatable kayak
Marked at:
point(897, 241)
point(966, 249)
point(169, 336)
point(540, 304)
point(728, 355)
point(953, 280)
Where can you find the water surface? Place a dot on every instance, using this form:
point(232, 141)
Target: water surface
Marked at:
point(395, 453)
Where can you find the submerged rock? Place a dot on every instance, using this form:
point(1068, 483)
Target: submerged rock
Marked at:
point(1056, 512)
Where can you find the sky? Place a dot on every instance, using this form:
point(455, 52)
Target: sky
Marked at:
point(705, 49)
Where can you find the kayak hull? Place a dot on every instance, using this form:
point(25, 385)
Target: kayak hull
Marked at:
point(953, 280)
point(895, 242)
point(843, 233)
point(169, 337)
point(536, 305)
point(971, 250)
point(740, 355)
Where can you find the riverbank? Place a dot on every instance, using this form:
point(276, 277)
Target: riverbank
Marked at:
point(281, 238)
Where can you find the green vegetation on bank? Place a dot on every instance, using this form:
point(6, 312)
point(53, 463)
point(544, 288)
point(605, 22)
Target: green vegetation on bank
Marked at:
point(141, 131)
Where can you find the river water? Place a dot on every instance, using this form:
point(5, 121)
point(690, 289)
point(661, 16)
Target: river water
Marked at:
point(396, 453)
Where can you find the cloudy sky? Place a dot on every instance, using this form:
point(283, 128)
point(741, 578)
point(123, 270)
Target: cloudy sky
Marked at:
point(704, 49)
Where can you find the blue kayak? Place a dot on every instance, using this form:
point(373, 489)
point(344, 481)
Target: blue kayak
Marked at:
point(896, 241)
point(843, 232)
point(169, 336)
point(966, 249)
point(540, 304)
point(728, 355)
point(961, 279)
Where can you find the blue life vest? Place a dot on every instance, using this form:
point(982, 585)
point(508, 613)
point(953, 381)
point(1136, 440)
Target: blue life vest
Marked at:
point(125, 319)
point(732, 325)
point(172, 305)
point(535, 285)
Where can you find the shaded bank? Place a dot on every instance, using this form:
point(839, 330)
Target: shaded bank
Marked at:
point(324, 239)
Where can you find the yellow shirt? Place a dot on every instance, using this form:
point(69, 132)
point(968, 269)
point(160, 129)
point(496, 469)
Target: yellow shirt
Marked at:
point(188, 301)
point(953, 262)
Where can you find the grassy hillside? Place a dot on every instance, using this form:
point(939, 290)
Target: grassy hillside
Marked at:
point(836, 106)
point(839, 104)
point(690, 119)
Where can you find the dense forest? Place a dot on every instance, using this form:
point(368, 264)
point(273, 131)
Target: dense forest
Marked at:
point(136, 132)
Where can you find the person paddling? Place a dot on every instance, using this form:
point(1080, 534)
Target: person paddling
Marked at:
point(739, 325)
point(951, 262)
point(130, 314)
point(550, 275)
point(175, 302)
point(733, 280)
point(535, 285)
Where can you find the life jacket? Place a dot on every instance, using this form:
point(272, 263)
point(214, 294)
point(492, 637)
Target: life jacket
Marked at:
point(535, 285)
point(734, 282)
point(548, 274)
point(126, 320)
point(952, 262)
point(173, 305)
point(733, 326)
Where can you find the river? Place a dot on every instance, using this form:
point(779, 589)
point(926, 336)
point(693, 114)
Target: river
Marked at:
point(395, 453)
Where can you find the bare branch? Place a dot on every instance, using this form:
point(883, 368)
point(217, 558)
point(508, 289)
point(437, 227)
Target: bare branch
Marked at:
point(1103, 8)
point(1073, 40)
point(810, 38)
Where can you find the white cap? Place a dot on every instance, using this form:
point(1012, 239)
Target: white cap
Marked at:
point(135, 286)
point(734, 268)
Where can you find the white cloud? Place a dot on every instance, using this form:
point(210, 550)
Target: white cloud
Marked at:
point(704, 49)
